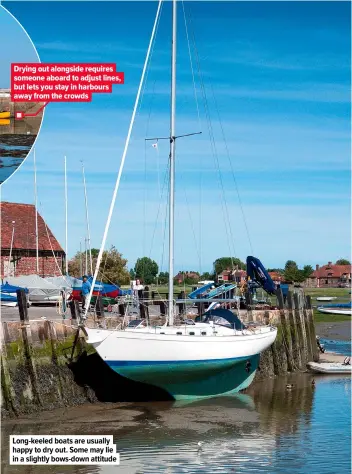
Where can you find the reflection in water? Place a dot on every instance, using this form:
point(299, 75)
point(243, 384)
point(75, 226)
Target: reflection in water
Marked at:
point(272, 429)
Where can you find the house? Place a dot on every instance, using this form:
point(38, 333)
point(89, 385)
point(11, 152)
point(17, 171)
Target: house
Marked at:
point(182, 276)
point(235, 276)
point(18, 240)
point(276, 277)
point(330, 276)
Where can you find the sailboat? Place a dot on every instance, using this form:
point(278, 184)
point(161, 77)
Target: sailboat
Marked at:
point(211, 357)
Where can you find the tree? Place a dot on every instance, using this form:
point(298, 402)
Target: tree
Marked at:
point(207, 276)
point(113, 267)
point(343, 261)
point(163, 278)
point(132, 274)
point(307, 270)
point(277, 270)
point(291, 271)
point(146, 270)
point(225, 263)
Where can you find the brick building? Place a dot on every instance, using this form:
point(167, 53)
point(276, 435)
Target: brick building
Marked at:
point(330, 275)
point(235, 276)
point(19, 220)
point(182, 276)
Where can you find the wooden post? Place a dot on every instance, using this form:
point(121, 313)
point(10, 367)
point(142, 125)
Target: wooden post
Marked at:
point(122, 309)
point(73, 309)
point(145, 303)
point(22, 305)
point(99, 307)
point(249, 298)
point(162, 307)
point(182, 306)
point(309, 302)
point(280, 298)
point(294, 321)
point(305, 346)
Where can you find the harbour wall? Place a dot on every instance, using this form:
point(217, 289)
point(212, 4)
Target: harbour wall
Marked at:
point(44, 365)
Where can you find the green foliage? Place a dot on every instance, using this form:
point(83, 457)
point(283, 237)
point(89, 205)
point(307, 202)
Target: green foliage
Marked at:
point(343, 261)
point(293, 273)
point(132, 274)
point(163, 278)
point(113, 267)
point(224, 263)
point(146, 269)
point(207, 276)
point(308, 270)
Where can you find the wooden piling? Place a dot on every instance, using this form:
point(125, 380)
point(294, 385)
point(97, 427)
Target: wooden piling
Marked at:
point(27, 345)
point(293, 323)
point(181, 306)
point(99, 307)
point(22, 305)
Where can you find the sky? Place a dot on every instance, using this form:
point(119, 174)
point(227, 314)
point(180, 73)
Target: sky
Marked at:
point(277, 85)
point(19, 47)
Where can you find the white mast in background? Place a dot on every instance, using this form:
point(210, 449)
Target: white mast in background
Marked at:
point(36, 214)
point(66, 216)
point(87, 220)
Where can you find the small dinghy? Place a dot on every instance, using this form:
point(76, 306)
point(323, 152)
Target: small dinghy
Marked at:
point(331, 367)
point(346, 311)
point(326, 298)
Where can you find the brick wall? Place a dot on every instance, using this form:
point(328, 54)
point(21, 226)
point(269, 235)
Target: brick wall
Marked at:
point(27, 266)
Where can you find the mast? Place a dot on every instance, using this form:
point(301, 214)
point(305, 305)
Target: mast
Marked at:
point(80, 259)
point(12, 237)
point(87, 220)
point(36, 214)
point(172, 165)
point(85, 247)
point(66, 217)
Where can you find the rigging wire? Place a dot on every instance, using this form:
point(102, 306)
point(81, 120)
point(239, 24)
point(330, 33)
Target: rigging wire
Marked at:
point(232, 172)
point(190, 217)
point(159, 207)
point(117, 184)
point(200, 128)
point(227, 222)
point(192, 70)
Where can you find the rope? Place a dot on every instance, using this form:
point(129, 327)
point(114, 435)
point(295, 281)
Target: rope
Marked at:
point(117, 184)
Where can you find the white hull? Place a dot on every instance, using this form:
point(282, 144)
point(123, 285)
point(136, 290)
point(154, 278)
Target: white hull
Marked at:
point(185, 365)
point(329, 368)
point(326, 298)
point(139, 344)
point(347, 312)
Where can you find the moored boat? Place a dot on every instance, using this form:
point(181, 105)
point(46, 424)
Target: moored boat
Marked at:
point(188, 359)
point(346, 310)
point(330, 368)
point(199, 360)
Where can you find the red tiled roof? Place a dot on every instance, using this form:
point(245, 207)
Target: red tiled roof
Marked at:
point(332, 271)
point(275, 276)
point(24, 236)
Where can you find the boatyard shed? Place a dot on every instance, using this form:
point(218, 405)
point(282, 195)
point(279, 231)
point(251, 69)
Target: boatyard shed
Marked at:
point(19, 247)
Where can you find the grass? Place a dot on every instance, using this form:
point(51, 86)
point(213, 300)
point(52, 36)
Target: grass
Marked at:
point(329, 318)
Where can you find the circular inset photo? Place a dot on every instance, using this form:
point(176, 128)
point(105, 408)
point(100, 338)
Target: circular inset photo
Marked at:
point(16, 136)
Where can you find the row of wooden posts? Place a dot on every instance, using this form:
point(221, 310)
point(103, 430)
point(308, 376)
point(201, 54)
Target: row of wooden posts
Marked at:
point(149, 298)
